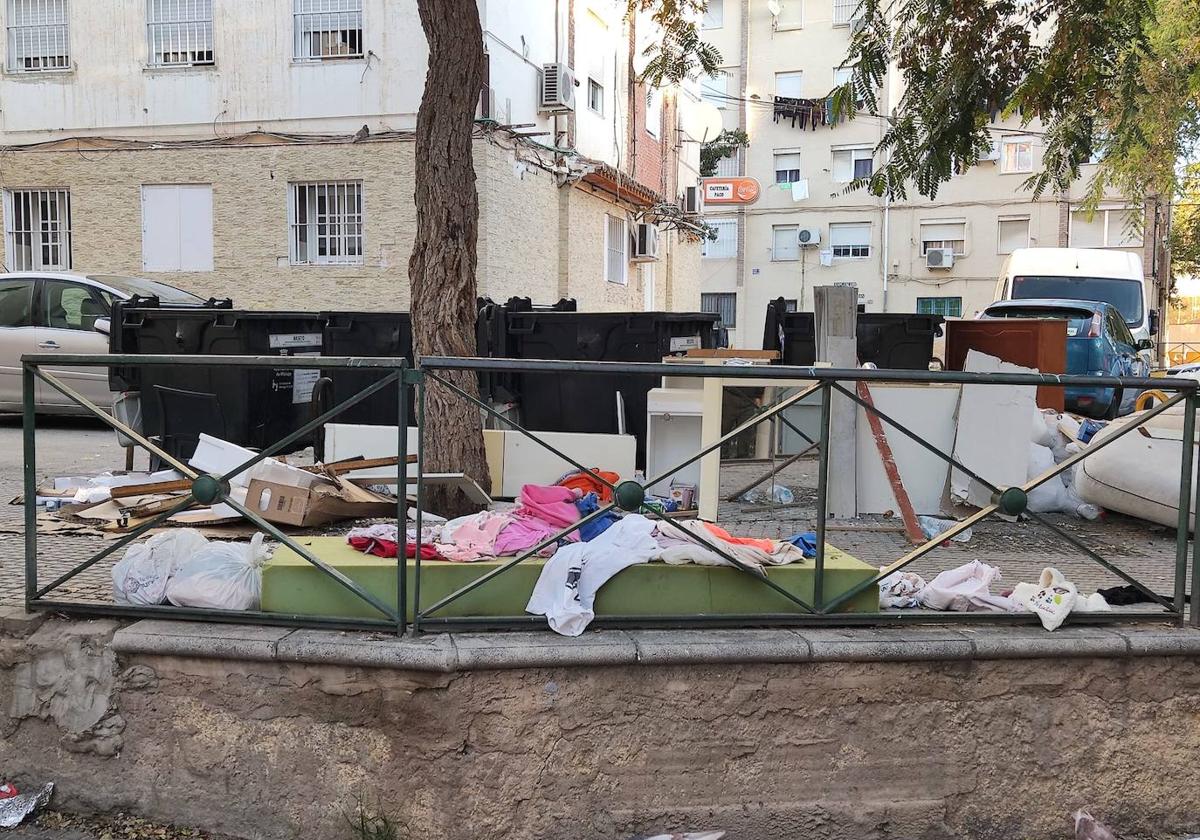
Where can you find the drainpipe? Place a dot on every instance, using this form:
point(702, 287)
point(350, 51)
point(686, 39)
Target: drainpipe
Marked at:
point(886, 236)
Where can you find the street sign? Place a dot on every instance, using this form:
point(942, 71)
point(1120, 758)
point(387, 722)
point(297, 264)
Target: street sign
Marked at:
point(730, 190)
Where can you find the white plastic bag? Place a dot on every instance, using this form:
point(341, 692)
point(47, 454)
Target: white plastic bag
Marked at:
point(141, 576)
point(222, 576)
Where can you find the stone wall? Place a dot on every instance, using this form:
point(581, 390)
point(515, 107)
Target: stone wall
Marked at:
point(833, 749)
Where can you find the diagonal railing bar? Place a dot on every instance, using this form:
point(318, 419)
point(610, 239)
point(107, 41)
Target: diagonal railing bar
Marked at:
point(76, 397)
point(775, 408)
point(125, 540)
point(340, 577)
point(738, 564)
point(963, 524)
point(521, 429)
point(783, 419)
point(316, 422)
point(499, 570)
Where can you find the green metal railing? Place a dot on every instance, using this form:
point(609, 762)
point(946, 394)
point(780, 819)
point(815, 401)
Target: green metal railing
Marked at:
point(626, 495)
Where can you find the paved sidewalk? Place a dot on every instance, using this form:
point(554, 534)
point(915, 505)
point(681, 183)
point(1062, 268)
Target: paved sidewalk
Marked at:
point(1020, 550)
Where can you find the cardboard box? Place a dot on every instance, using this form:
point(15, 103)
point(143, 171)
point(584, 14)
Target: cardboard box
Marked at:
point(319, 504)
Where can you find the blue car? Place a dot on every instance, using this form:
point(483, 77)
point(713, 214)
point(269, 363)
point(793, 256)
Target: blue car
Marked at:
point(1098, 344)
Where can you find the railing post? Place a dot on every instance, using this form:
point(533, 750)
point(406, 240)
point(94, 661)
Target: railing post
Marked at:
point(402, 501)
point(822, 499)
point(420, 502)
point(1182, 542)
point(29, 432)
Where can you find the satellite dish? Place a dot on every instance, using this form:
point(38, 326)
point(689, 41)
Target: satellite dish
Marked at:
point(701, 121)
point(774, 8)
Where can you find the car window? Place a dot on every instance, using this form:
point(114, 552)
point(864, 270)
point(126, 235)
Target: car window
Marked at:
point(1120, 330)
point(1078, 320)
point(70, 306)
point(16, 302)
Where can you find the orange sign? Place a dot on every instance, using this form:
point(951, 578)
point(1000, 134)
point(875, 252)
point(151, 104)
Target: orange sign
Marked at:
point(730, 190)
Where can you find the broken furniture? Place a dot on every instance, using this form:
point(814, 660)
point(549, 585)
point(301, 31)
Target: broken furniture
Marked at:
point(1039, 344)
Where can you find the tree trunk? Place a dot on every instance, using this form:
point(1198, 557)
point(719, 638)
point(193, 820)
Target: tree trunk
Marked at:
point(442, 267)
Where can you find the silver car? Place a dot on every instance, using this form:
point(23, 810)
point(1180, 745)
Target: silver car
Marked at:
point(61, 312)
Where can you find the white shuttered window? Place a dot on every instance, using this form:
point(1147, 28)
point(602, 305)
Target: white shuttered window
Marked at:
point(37, 230)
point(1011, 234)
point(328, 29)
point(326, 222)
point(177, 231)
point(38, 36)
point(180, 32)
point(852, 239)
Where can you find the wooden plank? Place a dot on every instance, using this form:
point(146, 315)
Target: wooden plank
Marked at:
point(151, 489)
point(909, 516)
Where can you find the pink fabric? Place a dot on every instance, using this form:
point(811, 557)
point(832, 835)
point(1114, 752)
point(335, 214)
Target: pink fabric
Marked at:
point(476, 538)
point(523, 534)
point(553, 505)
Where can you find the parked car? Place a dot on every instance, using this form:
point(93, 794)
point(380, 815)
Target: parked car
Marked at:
point(1099, 343)
point(61, 312)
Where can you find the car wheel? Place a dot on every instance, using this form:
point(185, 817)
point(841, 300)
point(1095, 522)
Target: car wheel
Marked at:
point(1114, 408)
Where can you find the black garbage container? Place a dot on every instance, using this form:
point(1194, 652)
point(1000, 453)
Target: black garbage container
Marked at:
point(895, 340)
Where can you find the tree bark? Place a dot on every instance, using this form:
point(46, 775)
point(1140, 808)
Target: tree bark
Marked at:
point(442, 267)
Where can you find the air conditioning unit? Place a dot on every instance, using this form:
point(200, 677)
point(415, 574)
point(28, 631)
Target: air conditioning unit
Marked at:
point(939, 258)
point(993, 154)
point(857, 24)
point(645, 242)
point(557, 89)
point(809, 236)
point(692, 202)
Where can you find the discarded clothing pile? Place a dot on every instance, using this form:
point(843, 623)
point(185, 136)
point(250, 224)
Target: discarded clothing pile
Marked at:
point(536, 522)
point(968, 589)
point(566, 589)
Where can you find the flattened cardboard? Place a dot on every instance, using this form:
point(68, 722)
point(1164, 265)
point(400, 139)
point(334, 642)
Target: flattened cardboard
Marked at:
point(320, 504)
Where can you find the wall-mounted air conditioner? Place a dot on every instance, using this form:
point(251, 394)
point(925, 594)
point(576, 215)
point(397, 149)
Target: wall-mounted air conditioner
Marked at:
point(993, 154)
point(556, 91)
point(692, 201)
point(857, 24)
point(809, 236)
point(645, 242)
point(939, 258)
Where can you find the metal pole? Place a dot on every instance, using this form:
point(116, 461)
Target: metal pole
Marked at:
point(822, 498)
point(420, 502)
point(29, 432)
point(1185, 503)
point(402, 503)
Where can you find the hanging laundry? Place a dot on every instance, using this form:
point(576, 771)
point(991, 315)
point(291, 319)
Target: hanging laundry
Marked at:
point(566, 589)
point(382, 541)
point(590, 482)
point(594, 528)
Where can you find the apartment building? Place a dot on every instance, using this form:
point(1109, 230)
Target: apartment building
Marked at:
point(781, 61)
point(265, 151)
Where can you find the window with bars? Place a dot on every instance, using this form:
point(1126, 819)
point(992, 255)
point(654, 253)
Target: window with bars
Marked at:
point(724, 247)
point(328, 29)
point(326, 222)
point(950, 307)
point(37, 229)
point(730, 167)
point(38, 36)
point(616, 250)
point(845, 11)
point(180, 32)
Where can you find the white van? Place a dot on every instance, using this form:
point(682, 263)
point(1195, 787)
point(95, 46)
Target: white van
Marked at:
point(1095, 274)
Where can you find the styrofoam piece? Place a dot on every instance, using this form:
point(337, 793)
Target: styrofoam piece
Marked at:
point(929, 411)
point(217, 457)
point(992, 439)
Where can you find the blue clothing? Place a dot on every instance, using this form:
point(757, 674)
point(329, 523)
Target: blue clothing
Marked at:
point(806, 542)
point(590, 530)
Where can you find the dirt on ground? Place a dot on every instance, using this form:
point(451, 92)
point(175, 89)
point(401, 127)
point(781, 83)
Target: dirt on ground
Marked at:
point(52, 825)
